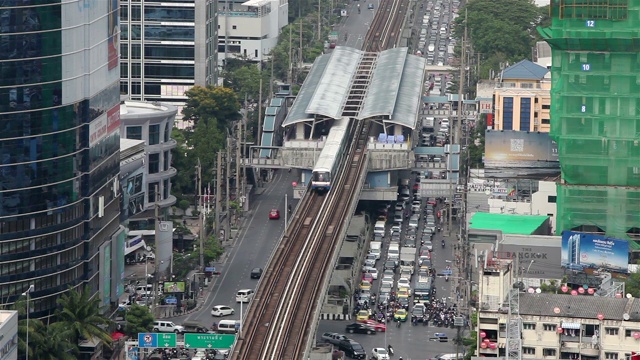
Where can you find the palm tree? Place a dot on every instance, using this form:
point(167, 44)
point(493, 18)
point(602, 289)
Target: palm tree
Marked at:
point(82, 314)
point(54, 342)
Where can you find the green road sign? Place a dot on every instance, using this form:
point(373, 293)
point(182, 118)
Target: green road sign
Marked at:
point(156, 340)
point(209, 341)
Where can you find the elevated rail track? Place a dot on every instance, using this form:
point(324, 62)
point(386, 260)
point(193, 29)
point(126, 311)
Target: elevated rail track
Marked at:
point(283, 312)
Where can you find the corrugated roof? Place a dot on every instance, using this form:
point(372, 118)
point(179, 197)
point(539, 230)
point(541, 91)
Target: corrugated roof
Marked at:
point(333, 88)
point(269, 124)
point(435, 99)
point(298, 113)
point(507, 223)
point(385, 83)
point(586, 307)
point(524, 70)
point(267, 140)
point(408, 99)
point(277, 102)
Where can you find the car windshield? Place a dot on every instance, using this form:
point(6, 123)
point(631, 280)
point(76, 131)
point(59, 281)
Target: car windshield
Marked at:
point(382, 351)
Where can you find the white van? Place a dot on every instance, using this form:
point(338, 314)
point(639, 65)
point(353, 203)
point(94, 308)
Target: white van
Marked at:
point(375, 248)
point(227, 326)
point(244, 295)
point(379, 228)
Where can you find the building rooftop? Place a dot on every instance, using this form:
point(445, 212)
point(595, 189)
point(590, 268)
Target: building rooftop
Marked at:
point(393, 93)
point(131, 107)
point(524, 70)
point(538, 240)
point(6, 315)
point(580, 306)
point(507, 223)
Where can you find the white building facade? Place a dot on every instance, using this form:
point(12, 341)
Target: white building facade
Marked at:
point(250, 29)
point(8, 335)
point(543, 202)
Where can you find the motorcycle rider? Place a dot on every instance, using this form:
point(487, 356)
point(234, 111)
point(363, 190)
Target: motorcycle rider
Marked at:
point(390, 349)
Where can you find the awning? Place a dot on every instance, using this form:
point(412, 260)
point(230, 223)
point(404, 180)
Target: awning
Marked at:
point(571, 325)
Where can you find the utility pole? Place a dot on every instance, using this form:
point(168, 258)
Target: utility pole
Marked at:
point(156, 276)
point(228, 189)
point(299, 52)
point(319, 22)
point(290, 72)
point(463, 65)
point(218, 193)
point(201, 216)
point(259, 139)
point(238, 159)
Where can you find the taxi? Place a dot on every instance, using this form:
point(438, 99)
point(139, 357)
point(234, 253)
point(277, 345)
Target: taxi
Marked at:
point(400, 315)
point(403, 293)
point(274, 214)
point(362, 315)
point(365, 285)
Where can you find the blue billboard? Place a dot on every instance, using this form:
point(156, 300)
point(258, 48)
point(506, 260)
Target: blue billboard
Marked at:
point(582, 251)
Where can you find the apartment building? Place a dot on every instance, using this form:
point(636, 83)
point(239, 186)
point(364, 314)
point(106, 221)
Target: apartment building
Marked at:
point(552, 326)
point(521, 98)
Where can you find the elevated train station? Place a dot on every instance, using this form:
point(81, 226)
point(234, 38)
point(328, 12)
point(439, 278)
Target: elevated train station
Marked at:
point(385, 88)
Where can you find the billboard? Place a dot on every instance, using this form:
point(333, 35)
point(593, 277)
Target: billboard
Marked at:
point(173, 287)
point(520, 154)
point(540, 262)
point(589, 251)
point(113, 32)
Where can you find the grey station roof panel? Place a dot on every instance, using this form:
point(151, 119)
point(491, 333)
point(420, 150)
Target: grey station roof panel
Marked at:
point(269, 124)
point(383, 89)
point(298, 113)
point(333, 88)
point(407, 106)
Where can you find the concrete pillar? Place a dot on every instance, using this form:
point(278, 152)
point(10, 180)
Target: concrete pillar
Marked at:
point(300, 131)
point(397, 130)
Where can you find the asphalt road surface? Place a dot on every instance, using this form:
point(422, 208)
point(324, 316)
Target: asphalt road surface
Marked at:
point(356, 25)
point(253, 248)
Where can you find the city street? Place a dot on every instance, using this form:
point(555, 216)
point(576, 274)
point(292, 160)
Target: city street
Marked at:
point(253, 247)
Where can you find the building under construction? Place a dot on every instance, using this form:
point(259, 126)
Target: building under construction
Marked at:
point(595, 114)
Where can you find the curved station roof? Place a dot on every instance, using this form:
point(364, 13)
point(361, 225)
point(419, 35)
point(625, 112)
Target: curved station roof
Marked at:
point(393, 95)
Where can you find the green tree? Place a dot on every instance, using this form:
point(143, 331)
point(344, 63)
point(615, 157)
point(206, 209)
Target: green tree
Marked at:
point(54, 342)
point(632, 284)
point(211, 102)
point(82, 314)
point(139, 320)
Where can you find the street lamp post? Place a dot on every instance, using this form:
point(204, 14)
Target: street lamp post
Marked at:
point(29, 290)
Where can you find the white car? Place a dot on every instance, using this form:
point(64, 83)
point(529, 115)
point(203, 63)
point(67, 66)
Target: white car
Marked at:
point(404, 283)
point(379, 354)
point(374, 273)
point(387, 280)
point(222, 310)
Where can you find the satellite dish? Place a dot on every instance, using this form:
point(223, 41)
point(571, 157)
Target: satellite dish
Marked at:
point(626, 316)
point(629, 296)
point(538, 291)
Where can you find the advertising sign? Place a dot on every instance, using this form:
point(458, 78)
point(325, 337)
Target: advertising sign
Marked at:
point(520, 154)
point(589, 251)
point(174, 287)
point(542, 266)
point(114, 33)
point(486, 106)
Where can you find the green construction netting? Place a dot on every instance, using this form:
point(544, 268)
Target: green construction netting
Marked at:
point(595, 113)
point(507, 223)
point(616, 210)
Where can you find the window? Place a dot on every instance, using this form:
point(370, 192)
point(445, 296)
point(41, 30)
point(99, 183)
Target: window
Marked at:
point(629, 332)
point(525, 114)
point(134, 132)
point(546, 121)
point(151, 191)
point(165, 189)
point(549, 327)
point(507, 113)
point(529, 326)
point(154, 134)
point(546, 106)
point(234, 27)
point(610, 355)
point(528, 350)
point(165, 166)
point(154, 163)
point(612, 331)
point(167, 131)
point(551, 199)
point(548, 352)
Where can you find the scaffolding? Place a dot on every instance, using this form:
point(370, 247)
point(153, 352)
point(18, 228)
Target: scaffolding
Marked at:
point(595, 114)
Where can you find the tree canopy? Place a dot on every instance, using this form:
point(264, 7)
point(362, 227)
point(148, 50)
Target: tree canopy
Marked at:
point(82, 314)
point(211, 102)
point(500, 30)
point(139, 320)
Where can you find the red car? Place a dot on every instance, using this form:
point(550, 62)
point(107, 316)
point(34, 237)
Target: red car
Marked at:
point(376, 325)
point(367, 276)
point(274, 214)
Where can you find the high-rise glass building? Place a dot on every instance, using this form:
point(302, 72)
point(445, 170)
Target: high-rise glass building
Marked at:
point(59, 150)
point(167, 47)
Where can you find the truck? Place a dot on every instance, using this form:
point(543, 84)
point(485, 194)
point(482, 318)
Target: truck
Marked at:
point(408, 258)
point(422, 289)
point(428, 124)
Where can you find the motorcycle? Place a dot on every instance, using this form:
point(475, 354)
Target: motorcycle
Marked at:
point(443, 244)
point(446, 278)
